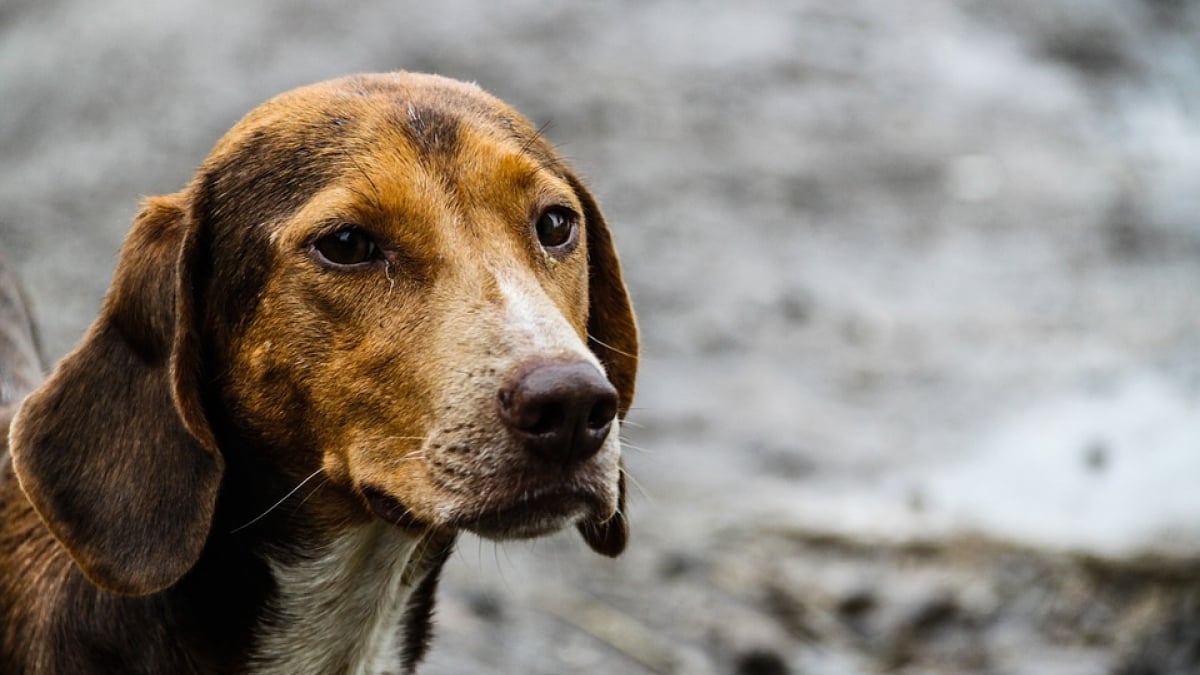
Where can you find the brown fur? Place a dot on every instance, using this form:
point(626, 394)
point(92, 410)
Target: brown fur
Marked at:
point(226, 367)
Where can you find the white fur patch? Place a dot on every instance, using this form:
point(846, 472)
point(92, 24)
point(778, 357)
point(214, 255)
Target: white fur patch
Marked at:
point(340, 612)
point(535, 326)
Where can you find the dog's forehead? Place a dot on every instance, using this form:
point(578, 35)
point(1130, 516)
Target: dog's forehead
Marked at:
point(357, 110)
point(422, 127)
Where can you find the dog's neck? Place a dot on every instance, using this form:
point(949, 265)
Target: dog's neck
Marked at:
point(359, 605)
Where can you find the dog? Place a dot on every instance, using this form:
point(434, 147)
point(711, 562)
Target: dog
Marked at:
point(384, 311)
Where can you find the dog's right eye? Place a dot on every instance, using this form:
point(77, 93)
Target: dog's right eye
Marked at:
point(346, 247)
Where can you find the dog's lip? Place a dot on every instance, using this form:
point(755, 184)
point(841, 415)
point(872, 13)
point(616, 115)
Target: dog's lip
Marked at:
point(391, 509)
point(534, 513)
point(530, 512)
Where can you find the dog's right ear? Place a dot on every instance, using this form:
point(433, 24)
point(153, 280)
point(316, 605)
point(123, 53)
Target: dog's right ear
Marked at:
point(114, 450)
point(613, 338)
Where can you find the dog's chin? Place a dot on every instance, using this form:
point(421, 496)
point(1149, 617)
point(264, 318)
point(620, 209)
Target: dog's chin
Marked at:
point(534, 515)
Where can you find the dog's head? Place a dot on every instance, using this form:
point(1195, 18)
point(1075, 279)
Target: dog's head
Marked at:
point(392, 280)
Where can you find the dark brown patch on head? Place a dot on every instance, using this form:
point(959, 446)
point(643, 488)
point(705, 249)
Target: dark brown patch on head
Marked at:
point(271, 173)
point(432, 130)
point(239, 194)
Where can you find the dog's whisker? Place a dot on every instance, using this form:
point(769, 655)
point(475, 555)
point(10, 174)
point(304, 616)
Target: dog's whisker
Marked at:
point(609, 347)
point(378, 201)
point(538, 135)
point(631, 446)
point(313, 491)
point(411, 458)
point(278, 503)
point(629, 477)
point(637, 408)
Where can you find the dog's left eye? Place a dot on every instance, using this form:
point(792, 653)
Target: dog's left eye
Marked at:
point(346, 247)
point(556, 228)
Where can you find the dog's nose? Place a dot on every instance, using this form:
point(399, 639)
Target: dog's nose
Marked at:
point(563, 411)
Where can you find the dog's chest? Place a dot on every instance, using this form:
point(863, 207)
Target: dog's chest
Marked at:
point(340, 611)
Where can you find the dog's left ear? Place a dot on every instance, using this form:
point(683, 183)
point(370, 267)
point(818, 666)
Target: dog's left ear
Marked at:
point(613, 338)
point(114, 450)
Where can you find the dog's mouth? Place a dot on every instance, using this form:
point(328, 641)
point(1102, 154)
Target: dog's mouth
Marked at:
point(532, 513)
point(392, 510)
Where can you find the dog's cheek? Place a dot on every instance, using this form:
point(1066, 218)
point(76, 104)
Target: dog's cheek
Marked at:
point(268, 388)
point(376, 405)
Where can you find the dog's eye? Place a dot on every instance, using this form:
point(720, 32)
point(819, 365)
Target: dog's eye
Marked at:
point(346, 247)
point(556, 228)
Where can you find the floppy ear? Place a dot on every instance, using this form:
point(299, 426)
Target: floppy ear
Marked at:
point(613, 338)
point(113, 450)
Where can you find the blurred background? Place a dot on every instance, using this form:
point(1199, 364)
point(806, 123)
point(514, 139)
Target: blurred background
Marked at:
point(919, 285)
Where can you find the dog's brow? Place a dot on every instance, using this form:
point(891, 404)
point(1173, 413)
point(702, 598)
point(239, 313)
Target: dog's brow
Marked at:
point(432, 130)
point(375, 198)
point(534, 145)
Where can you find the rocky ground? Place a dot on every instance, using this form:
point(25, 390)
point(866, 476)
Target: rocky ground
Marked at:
point(917, 282)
